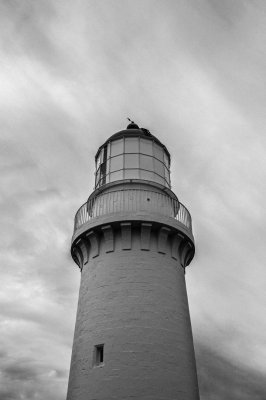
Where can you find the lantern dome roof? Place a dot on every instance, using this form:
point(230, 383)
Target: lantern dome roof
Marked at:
point(133, 131)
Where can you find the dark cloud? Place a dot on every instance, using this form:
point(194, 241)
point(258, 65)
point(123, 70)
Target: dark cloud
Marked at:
point(25, 377)
point(20, 372)
point(8, 394)
point(220, 378)
point(227, 10)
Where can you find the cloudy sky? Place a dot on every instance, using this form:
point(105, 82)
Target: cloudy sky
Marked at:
point(194, 73)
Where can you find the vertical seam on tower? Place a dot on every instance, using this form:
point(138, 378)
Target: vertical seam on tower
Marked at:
point(188, 253)
point(162, 239)
point(77, 252)
point(184, 253)
point(126, 235)
point(82, 244)
point(176, 242)
point(108, 238)
point(94, 241)
point(145, 236)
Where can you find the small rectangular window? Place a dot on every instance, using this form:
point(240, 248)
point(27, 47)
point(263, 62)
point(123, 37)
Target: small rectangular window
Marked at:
point(98, 355)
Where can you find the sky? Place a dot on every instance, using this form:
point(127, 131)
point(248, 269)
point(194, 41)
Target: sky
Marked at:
point(193, 72)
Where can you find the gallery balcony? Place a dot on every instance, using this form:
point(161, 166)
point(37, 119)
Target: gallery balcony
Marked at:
point(132, 204)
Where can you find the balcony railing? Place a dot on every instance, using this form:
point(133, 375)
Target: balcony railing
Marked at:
point(132, 200)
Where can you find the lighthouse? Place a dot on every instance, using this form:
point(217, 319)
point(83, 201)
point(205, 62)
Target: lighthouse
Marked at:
point(132, 242)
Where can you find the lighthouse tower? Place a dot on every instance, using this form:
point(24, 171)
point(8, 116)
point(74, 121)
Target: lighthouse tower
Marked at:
point(132, 242)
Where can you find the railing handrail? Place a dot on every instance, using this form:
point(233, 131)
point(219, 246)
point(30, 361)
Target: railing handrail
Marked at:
point(95, 207)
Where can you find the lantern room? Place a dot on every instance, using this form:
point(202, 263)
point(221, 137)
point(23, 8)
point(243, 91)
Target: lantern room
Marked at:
point(133, 153)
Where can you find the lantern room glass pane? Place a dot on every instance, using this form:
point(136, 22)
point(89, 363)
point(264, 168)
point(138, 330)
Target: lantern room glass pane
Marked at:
point(167, 175)
point(116, 163)
point(116, 176)
point(146, 162)
point(158, 167)
point(159, 179)
point(102, 178)
point(107, 178)
point(146, 175)
point(102, 169)
point(158, 151)
point(108, 166)
point(132, 145)
point(146, 146)
point(98, 162)
point(116, 147)
point(131, 160)
point(132, 174)
point(97, 178)
point(166, 159)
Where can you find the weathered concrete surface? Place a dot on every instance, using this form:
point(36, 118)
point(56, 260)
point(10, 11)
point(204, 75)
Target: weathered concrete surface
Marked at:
point(133, 300)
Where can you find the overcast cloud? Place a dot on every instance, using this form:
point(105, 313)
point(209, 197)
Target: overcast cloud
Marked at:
point(193, 73)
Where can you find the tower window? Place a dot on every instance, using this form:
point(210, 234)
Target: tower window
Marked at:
point(98, 355)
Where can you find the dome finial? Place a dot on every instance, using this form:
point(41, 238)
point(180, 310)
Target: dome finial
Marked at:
point(132, 124)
